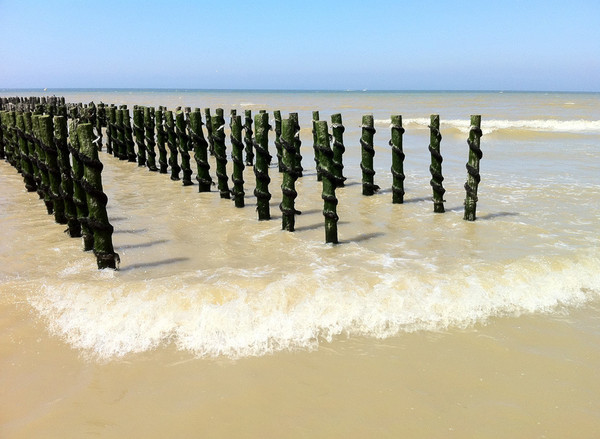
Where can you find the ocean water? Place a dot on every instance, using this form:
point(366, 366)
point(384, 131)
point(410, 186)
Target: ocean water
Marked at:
point(416, 323)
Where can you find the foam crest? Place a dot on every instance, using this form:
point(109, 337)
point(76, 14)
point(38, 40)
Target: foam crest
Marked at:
point(297, 311)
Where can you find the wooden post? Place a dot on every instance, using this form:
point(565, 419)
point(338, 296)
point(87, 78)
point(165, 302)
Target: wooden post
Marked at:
point(160, 141)
point(100, 122)
point(172, 144)
point(96, 200)
point(200, 146)
point(26, 165)
point(337, 129)
point(436, 164)
point(32, 141)
point(181, 124)
point(111, 130)
point(209, 133)
point(138, 129)
point(290, 175)
point(237, 153)
point(66, 182)
point(248, 140)
point(329, 182)
point(368, 152)
point(473, 178)
point(315, 119)
point(47, 138)
point(297, 144)
point(397, 160)
point(128, 131)
point(149, 137)
point(278, 147)
point(261, 169)
point(218, 133)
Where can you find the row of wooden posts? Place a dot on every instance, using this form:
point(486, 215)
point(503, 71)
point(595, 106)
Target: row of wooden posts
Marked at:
point(39, 144)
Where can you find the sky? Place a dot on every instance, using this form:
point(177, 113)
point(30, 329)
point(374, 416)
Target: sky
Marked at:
point(302, 44)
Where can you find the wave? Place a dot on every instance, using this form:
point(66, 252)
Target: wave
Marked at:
point(214, 313)
point(579, 126)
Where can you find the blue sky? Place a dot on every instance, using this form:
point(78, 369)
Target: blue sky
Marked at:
point(400, 45)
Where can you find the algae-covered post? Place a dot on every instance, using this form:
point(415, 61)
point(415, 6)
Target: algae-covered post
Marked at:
point(290, 175)
point(2, 154)
point(111, 131)
point(121, 145)
point(200, 146)
point(138, 130)
point(149, 137)
point(160, 141)
point(129, 143)
point(397, 160)
point(66, 182)
point(209, 133)
point(315, 119)
point(218, 133)
point(100, 123)
point(278, 147)
point(26, 165)
point(297, 144)
point(329, 182)
point(32, 142)
point(237, 153)
point(337, 130)
point(79, 196)
point(261, 168)
point(435, 169)
point(47, 138)
point(172, 144)
point(473, 178)
point(96, 200)
point(183, 137)
point(368, 152)
point(248, 140)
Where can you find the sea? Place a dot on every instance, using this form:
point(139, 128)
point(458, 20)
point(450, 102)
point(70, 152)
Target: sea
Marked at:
point(417, 324)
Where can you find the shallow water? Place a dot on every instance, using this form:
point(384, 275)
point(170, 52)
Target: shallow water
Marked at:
point(418, 323)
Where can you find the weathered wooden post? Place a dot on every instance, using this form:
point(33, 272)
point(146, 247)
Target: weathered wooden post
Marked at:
point(183, 137)
point(121, 149)
point(172, 144)
point(368, 152)
point(26, 165)
point(33, 140)
point(47, 138)
point(315, 119)
point(436, 164)
point(100, 122)
point(2, 153)
point(248, 140)
point(149, 138)
point(218, 134)
point(111, 130)
point(128, 130)
point(397, 160)
point(237, 157)
point(200, 147)
point(290, 175)
point(79, 195)
point(96, 200)
point(297, 144)
point(160, 141)
point(278, 147)
point(209, 133)
point(261, 168)
point(337, 130)
point(329, 182)
point(66, 182)
point(473, 178)
point(138, 130)
point(12, 150)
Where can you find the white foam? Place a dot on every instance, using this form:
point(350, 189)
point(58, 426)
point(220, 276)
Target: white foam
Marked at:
point(231, 317)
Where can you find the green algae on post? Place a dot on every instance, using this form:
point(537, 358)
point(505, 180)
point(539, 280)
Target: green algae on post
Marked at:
point(26, 165)
point(138, 130)
point(180, 126)
point(218, 134)
point(329, 182)
point(209, 133)
point(100, 123)
point(66, 185)
point(237, 153)
point(473, 177)
point(290, 175)
point(200, 147)
point(435, 169)
point(172, 144)
point(368, 152)
point(160, 141)
point(149, 138)
point(337, 130)
point(47, 139)
point(278, 147)
point(96, 200)
point(248, 139)
point(129, 143)
point(397, 160)
point(315, 119)
point(32, 140)
point(261, 168)
point(297, 144)
point(79, 195)
point(111, 130)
